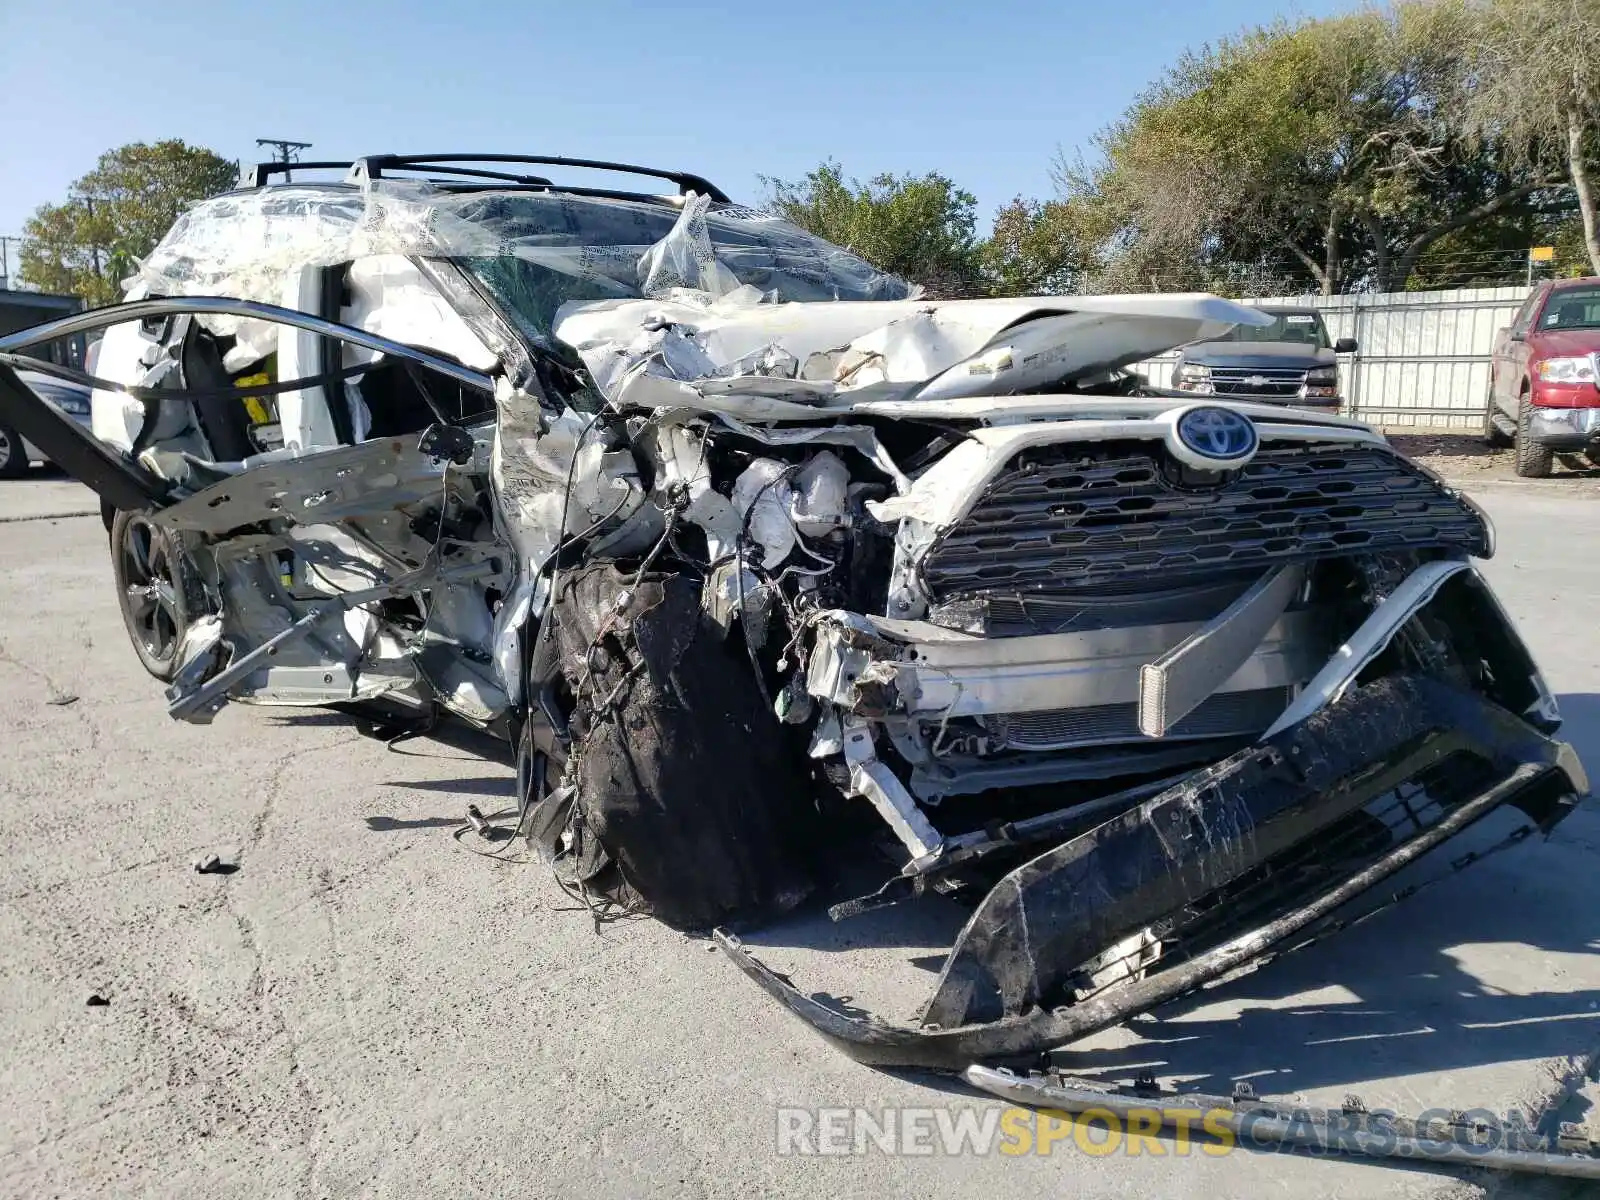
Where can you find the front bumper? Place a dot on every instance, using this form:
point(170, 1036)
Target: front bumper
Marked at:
point(1186, 850)
point(1568, 429)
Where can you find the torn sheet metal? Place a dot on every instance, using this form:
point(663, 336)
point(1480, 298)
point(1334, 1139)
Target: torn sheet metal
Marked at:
point(533, 460)
point(371, 480)
point(724, 349)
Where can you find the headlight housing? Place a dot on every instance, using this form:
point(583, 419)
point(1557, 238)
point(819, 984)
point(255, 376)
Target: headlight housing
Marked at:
point(1566, 370)
point(1192, 377)
point(1322, 383)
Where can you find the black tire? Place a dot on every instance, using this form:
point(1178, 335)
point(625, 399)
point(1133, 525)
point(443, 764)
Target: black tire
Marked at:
point(150, 591)
point(13, 456)
point(1533, 461)
point(1493, 435)
point(692, 801)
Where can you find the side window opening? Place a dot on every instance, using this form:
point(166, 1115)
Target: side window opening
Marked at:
point(1524, 317)
point(399, 398)
point(234, 426)
point(398, 395)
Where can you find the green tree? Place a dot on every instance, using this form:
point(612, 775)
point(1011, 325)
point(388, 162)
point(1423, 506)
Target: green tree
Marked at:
point(921, 227)
point(1335, 149)
point(115, 215)
point(1043, 248)
point(1535, 87)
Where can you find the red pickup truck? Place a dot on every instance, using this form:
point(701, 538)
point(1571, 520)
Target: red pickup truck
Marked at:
point(1544, 381)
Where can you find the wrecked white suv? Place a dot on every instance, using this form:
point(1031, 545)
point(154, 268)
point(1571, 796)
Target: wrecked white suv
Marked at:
point(762, 562)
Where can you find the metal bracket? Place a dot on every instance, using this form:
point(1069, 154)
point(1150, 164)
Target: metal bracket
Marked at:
point(1177, 683)
point(200, 703)
point(872, 779)
point(1509, 1145)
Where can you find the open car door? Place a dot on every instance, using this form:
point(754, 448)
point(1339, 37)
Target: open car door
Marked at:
point(362, 563)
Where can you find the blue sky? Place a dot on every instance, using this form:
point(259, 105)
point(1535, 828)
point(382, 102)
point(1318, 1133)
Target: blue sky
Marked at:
point(984, 92)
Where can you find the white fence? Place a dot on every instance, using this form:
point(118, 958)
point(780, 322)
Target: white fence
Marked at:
point(1423, 357)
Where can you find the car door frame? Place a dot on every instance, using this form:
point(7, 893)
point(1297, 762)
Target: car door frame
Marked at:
point(117, 477)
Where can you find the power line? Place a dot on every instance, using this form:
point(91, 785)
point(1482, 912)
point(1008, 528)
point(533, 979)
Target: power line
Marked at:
point(288, 151)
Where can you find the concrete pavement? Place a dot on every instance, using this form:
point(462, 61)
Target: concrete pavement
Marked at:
point(368, 1008)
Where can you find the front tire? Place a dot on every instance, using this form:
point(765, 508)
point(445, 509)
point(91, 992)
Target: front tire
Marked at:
point(150, 591)
point(1533, 461)
point(693, 802)
point(13, 454)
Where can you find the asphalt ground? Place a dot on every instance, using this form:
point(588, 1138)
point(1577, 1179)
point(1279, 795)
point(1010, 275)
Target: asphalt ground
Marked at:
point(373, 1005)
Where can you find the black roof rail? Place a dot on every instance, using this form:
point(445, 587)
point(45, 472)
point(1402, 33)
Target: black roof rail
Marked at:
point(257, 175)
point(373, 166)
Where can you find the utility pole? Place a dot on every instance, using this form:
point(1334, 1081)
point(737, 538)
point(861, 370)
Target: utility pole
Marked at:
point(94, 246)
point(288, 151)
point(5, 260)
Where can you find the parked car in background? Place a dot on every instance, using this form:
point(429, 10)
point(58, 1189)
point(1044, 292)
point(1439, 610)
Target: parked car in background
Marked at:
point(1291, 361)
point(71, 398)
point(1544, 378)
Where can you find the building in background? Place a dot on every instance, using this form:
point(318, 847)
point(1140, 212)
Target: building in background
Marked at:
point(18, 310)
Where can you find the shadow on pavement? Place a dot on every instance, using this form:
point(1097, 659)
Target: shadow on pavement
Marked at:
point(1398, 995)
point(487, 785)
point(1394, 997)
point(397, 824)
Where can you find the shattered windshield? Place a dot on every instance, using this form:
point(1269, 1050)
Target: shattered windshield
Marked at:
point(1303, 327)
point(560, 248)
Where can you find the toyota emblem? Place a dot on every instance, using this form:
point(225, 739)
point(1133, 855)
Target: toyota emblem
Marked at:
point(1216, 436)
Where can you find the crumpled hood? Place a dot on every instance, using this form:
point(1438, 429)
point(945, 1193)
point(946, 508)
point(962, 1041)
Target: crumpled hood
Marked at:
point(793, 361)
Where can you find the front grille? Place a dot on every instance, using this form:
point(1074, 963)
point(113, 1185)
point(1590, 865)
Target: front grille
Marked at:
point(1222, 715)
point(1070, 517)
point(1239, 381)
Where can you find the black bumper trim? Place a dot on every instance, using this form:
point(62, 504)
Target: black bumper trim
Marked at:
point(1543, 764)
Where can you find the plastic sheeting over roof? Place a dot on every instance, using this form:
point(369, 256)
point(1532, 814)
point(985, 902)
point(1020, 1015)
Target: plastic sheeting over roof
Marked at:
point(535, 250)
